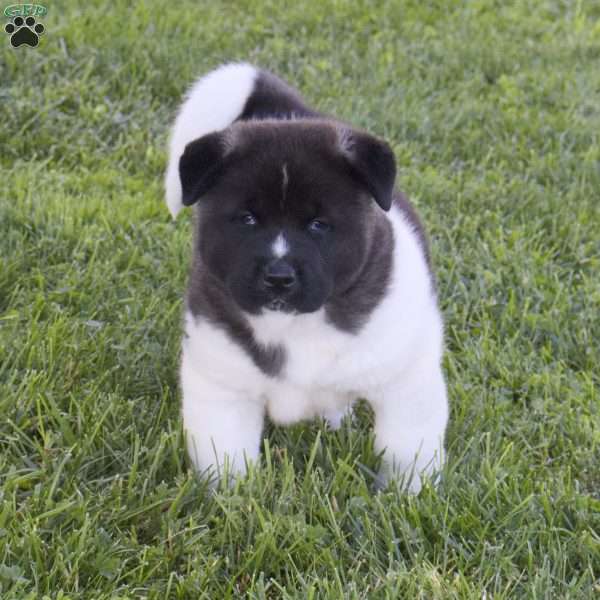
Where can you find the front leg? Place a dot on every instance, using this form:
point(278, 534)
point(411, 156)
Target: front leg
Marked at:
point(223, 426)
point(410, 420)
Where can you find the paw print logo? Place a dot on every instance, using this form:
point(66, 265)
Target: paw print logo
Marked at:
point(24, 31)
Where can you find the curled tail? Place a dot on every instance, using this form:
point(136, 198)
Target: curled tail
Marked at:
point(232, 92)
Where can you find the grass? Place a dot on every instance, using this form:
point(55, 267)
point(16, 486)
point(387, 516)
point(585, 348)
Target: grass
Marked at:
point(493, 110)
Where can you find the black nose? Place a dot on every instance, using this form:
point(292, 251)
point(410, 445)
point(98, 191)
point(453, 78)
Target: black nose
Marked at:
point(280, 275)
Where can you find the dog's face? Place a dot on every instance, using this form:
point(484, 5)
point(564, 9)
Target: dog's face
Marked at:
point(286, 209)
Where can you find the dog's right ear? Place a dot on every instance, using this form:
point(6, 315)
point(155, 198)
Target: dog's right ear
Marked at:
point(201, 165)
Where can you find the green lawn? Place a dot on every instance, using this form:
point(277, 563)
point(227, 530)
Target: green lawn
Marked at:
point(493, 110)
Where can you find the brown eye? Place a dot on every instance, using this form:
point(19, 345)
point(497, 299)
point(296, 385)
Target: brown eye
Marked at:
point(318, 226)
point(248, 218)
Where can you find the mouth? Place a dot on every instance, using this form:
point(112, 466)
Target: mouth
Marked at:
point(277, 304)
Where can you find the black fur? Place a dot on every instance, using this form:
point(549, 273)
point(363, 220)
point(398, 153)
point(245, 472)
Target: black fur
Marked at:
point(201, 166)
point(372, 163)
point(263, 176)
point(350, 307)
point(273, 98)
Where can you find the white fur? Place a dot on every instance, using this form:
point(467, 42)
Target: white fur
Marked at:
point(213, 103)
point(280, 246)
point(393, 362)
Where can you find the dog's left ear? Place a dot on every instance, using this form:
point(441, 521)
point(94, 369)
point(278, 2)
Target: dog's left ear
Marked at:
point(201, 165)
point(371, 163)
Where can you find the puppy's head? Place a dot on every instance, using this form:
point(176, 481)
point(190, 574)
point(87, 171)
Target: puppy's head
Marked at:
point(286, 208)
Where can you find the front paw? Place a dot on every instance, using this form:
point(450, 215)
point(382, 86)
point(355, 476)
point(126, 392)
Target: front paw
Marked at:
point(408, 482)
point(335, 417)
point(411, 478)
